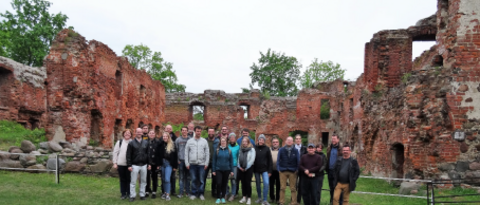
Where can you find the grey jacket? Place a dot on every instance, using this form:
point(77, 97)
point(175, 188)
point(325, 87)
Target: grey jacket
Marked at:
point(180, 144)
point(197, 152)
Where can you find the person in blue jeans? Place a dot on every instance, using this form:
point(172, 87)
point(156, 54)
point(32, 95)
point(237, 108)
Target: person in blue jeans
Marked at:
point(234, 148)
point(197, 155)
point(169, 158)
point(262, 169)
point(183, 172)
point(222, 168)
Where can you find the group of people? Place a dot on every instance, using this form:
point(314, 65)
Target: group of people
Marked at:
point(231, 162)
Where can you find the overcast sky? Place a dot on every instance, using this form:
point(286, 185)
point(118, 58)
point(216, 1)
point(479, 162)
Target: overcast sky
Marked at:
point(212, 44)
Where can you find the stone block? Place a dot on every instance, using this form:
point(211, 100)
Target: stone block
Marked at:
point(407, 187)
point(27, 146)
point(54, 146)
point(74, 166)
point(101, 166)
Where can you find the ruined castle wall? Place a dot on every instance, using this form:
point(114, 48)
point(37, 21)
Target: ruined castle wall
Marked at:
point(94, 95)
point(220, 109)
point(22, 93)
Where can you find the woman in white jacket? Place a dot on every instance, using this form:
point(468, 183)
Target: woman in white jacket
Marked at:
point(120, 163)
point(246, 158)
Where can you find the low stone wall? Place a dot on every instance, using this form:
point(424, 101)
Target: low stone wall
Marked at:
point(84, 160)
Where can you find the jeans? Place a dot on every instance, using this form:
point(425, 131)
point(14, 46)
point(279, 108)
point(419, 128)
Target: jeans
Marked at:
point(184, 176)
point(310, 190)
point(124, 176)
point(173, 184)
point(143, 180)
point(222, 181)
point(233, 183)
point(166, 174)
point(292, 178)
point(246, 179)
point(197, 173)
point(152, 179)
point(214, 181)
point(274, 186)
point(265, 179)
point(341, 189)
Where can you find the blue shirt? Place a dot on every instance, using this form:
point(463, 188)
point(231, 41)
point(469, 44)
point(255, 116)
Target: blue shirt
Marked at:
point(333, 158)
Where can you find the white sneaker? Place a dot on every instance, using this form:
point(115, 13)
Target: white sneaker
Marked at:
point(192, 197)
point(202, 198)
point(248, 201)
point(258, 201)
point(243, 200)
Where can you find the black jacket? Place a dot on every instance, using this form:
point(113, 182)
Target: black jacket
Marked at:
point(173, 137)
point(137, 153)
point(153, 146)
point(324, 160)
point(263, 159)
point(353, 171)
point(303, 150)
point(171, 157)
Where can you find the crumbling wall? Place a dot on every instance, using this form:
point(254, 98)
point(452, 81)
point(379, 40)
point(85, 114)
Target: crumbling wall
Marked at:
point(93, 94)
point(427, 106)
point(22, 93)
point(220, 109)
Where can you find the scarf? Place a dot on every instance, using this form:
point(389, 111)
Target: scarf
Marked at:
point(289, 150)
point(243, 157)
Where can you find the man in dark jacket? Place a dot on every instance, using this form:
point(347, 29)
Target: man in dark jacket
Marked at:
point(287, 166)
point(137, 162)
point(212, 146)
point(310, 165)
point(262, 169)
point(301, 150)
point(334, 151)
point(346, 173)
point(173, 177)
point(321, 173)
point(152, 175)
point(145, 131)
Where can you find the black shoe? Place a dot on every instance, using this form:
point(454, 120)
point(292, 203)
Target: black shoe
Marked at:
point(132, 199)
point(154, 196)
point(142, 198)
point(146, 194)
point(123, 197)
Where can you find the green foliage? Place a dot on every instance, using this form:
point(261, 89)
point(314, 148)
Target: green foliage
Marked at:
point(42, 159)
point(204, 134)
point(27, 33)
point(321, 71)
point(198, 116)
point(93, 143)
point(405, 77)
point(276, 73)
point(325, 110)
point(141, 57)
point(303, 134)
point(12, 133)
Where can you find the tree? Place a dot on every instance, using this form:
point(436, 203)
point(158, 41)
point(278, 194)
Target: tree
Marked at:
point(141, 57)
point(27, 33)
point(321, 71)
point(276, 74)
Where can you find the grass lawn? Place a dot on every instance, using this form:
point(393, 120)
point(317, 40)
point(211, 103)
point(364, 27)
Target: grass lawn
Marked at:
point(27, 188)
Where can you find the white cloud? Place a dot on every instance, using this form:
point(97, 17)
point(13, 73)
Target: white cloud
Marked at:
point(213, 43)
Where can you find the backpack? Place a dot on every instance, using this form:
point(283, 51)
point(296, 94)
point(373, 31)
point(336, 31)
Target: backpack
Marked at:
point(120, 145)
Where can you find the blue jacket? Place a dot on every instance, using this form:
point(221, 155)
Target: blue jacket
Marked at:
point(234, 150)
point(239, 141)
point(285, 163)
point(222, 161)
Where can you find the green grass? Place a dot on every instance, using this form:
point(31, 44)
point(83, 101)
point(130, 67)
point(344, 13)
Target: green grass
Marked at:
point(25, 188)
point(12, 134)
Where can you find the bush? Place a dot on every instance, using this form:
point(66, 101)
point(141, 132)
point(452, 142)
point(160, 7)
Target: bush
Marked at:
point(14, 133)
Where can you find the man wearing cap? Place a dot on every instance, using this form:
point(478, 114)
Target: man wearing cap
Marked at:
point(310, 165)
